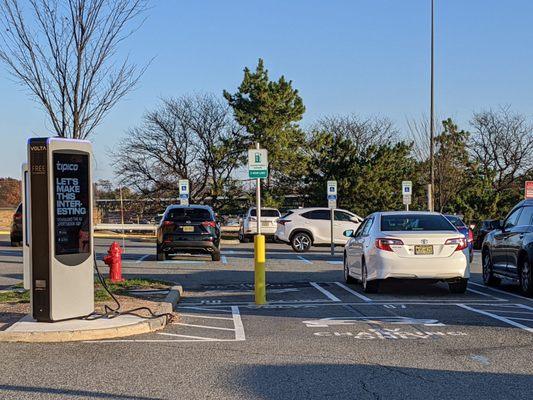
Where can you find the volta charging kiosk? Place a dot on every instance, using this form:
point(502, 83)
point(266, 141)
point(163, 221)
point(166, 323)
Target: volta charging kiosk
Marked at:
point(60, 228)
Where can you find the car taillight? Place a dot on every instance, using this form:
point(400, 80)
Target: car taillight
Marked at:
point(385, 244)
point(17, 216)
point(470, 235)
point(283, 221)
point(253, 219)
point(460, 242)
point(168, 223)
point(208, 224)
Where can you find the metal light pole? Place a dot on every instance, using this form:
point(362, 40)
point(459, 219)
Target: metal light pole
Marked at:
point(431, 186)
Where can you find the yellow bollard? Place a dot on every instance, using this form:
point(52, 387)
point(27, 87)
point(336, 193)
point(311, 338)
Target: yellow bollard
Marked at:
point(259, 259)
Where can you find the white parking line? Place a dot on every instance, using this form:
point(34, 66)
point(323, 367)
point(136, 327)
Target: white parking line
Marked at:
point(483, 294)
point(336, 262)
point(203, 326)
point(498, 317)
point(305, 260)
point(501, 291)
point(223, 259)
point(237, 321)
point(362, 297)
point(197, 338)
point(204, 316)
point(142, 258)
point(329, 295)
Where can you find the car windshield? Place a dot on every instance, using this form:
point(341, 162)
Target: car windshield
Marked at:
point(456, 221)
point(415, 223)
point(265, 212)
point(189, 214)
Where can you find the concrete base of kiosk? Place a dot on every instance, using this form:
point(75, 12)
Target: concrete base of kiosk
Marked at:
point(29, 330)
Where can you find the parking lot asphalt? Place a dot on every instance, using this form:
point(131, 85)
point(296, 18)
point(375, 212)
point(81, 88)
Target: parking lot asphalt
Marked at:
point(316, 338)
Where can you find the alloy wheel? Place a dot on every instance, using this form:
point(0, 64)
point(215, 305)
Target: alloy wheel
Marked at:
point(302, 242)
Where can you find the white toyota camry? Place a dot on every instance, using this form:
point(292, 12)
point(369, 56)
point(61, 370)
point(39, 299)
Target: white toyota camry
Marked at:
point(406, 245)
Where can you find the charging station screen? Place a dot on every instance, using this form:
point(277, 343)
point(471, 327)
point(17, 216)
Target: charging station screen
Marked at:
point(71, 203)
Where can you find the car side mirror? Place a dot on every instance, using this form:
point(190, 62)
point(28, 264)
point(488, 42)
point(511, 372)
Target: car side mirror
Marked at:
point(348, 233)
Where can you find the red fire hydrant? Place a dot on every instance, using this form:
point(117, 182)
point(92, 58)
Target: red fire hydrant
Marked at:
point(114, 260)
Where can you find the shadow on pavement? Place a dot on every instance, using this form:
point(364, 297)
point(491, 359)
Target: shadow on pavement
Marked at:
point(68, 393)
point(344, 380)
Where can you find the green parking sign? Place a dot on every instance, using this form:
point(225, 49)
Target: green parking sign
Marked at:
point(257, 163)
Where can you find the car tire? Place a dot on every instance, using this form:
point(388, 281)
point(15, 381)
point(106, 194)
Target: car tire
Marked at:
point(215, 256)
point(161, 255)
point(487, 270)
point(301, 242)
point(458, 287)
point(526, 277)
point(368, 286)
point(347, 277)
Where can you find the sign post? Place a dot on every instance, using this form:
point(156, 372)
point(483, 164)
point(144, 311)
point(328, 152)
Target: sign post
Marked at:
point(61, 228)
point(184, 191)
point(407, 192)
point(529, 190)
point(258, 169)
point(332, 205)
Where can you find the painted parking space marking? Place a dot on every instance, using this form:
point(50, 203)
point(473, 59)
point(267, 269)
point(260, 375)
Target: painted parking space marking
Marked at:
point(305, 260)
point(482, 293)
point(351, 291)
point(335, 262)
point(501, 291)
point(508, 320)
point(142, 258)
point(237, 329)
point(382, 320)
point(202, 326)
point(328, 294)
point(223, 259)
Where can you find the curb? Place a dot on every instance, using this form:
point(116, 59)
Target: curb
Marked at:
point(144, 326)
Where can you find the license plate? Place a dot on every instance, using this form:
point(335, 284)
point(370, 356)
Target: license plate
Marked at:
point(424, 250)
point(265, 223)
point(188, 228)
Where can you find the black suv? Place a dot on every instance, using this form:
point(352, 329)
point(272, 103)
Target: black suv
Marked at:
point(188, 229)
point(508, 250)
point(16, 228)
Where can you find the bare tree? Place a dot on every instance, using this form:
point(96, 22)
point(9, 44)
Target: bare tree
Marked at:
point(192, 137)
point(63, 52)
point(502, 144)
point(362, 132)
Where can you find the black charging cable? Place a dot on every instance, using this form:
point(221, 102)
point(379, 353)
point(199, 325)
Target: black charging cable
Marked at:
point(110, 312)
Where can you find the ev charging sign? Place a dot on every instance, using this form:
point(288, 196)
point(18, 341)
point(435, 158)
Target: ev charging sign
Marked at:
point(332, 194)
point(184, 191)
point(407, 192)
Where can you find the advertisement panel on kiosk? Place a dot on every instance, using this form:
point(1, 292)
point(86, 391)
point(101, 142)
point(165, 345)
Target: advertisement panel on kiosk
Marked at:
point(61, 248)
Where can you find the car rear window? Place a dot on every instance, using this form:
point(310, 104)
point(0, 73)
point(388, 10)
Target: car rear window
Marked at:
point(265, 213)
point(456, 221)
point(415, 222)
point(189, 214)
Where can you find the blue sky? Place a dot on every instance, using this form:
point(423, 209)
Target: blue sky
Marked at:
point(369, 57)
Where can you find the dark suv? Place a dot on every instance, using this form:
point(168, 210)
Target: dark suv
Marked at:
point(188, 229)
point(16, 228)
point(508, 250)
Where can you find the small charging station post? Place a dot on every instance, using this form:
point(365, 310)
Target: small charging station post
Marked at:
point(61, 228)
point(25, 196)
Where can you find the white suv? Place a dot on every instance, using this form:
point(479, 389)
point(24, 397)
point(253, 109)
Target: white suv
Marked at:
point(248, 228)
point(305, 227)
